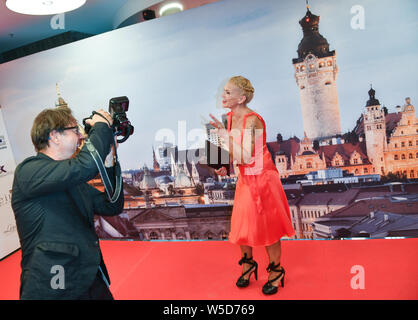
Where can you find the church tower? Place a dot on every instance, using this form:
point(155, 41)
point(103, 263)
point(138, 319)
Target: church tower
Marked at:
point(316, 75)
point(375, 132)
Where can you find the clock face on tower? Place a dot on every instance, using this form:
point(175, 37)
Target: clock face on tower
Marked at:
point(310, 62)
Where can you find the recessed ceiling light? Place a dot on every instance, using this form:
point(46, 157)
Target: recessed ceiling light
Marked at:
point(170, 8)
point(43, 7)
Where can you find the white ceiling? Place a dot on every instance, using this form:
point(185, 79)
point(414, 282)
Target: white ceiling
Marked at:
point(95, 17)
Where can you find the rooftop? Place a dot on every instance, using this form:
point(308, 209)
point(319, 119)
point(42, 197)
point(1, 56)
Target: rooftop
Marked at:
point(381, 223)
point(362, 208)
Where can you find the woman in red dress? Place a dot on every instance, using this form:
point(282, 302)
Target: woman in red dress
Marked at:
point(260, 216)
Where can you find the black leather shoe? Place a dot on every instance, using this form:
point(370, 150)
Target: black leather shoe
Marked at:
point(241, 282)
point(268, 288)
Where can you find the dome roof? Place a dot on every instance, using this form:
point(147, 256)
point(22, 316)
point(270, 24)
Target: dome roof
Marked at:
point(312, 41)
point(372, 100)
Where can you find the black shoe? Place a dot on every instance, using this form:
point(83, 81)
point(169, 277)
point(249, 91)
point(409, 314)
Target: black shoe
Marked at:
point(268, 288)
point(241, 282)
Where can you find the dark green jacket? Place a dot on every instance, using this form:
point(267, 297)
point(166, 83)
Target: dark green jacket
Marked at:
point(54, 208)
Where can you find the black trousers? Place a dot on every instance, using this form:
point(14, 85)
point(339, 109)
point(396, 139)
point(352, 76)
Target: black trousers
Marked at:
point(98, 290)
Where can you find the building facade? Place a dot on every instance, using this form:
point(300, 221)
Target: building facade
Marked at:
point(401, 152)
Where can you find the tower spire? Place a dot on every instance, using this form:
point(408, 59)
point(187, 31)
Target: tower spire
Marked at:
point(156, 165)
point(61, 102)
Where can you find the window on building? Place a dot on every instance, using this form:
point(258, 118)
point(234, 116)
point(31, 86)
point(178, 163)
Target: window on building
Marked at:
point(180, 236)
point(410, 143)
point(397, 158)
point(412, 174)
point(402, 144)
point(355, 161)
point(309, 165)
point(153, 236)
point(365, 170)
point(403, 157)
point(410, 156)
point(396, 145)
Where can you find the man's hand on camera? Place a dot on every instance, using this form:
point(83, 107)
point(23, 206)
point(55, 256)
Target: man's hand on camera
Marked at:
point(97, 118)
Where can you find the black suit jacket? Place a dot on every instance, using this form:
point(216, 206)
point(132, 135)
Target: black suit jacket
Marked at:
point(54, 208)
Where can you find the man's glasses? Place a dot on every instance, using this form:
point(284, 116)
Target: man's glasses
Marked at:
point(75, 129)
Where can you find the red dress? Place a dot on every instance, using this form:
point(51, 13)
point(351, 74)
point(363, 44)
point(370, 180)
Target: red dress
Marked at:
point(260, 215)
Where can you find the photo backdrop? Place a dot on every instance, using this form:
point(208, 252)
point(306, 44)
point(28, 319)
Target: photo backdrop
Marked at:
point(172, 70)
point(9, 240)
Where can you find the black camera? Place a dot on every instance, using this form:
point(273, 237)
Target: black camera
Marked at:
point(121, 125)
point(117, 109)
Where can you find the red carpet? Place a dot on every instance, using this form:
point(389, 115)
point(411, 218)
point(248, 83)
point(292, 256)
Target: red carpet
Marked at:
point(207, 270)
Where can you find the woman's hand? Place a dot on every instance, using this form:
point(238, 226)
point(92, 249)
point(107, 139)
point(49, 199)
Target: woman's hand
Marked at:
point(220, 129)
point(221, 171)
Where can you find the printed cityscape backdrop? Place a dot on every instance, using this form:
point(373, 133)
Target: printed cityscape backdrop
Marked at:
point(338, 103)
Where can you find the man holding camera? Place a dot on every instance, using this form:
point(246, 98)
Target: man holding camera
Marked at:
point(54, 207)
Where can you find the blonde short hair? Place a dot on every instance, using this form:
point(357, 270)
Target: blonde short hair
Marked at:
point(244, 85)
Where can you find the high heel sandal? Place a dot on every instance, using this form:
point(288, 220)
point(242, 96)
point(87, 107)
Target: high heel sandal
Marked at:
point(268, 288)
point(241, 282)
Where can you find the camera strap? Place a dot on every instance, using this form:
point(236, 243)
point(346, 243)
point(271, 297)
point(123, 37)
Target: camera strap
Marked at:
point(112, 196)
